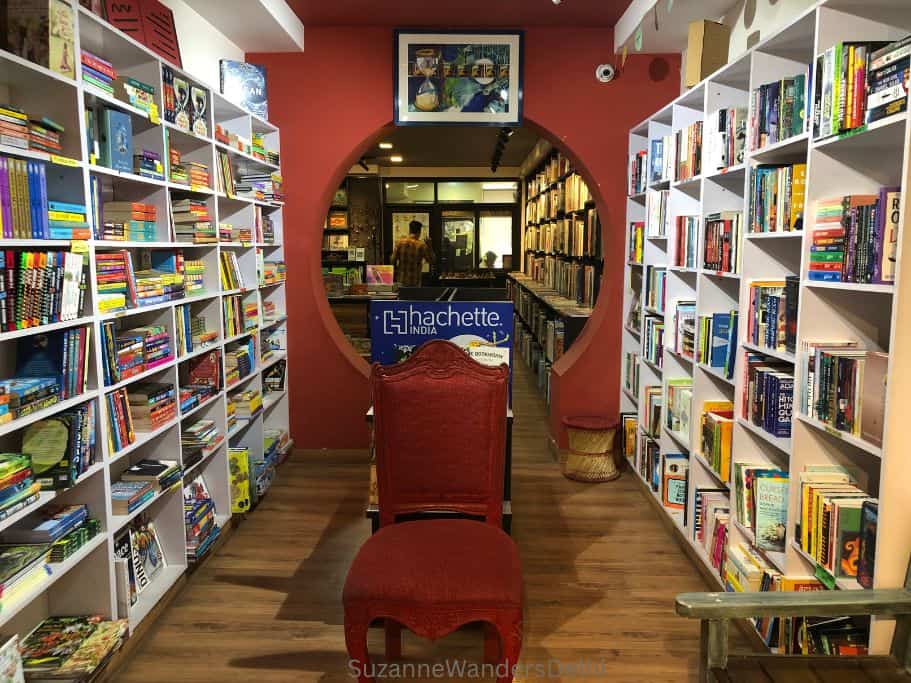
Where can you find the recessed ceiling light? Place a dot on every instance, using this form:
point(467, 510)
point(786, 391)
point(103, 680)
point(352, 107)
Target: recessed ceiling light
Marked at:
point(385, 145)
point(396, 159)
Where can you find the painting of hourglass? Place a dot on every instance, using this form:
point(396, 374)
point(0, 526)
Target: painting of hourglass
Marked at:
point(469, 78)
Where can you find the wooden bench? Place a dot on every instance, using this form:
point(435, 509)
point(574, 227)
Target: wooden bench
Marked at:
point(716, 610)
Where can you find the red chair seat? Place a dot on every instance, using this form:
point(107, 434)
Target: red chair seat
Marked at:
point(441, 562)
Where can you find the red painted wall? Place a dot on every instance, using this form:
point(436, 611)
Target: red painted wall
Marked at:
point(332, 103)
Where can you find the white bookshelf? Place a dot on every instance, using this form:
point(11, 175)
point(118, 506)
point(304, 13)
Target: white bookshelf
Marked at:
point(876, 315)
point(85, 583)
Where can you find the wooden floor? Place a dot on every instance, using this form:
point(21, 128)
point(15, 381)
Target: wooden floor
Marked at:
point(601, 572)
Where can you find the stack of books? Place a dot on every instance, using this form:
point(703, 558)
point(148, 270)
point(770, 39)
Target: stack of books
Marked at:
point(176, 169)
point(127, 496)
point(136, 93)
point(22, 568)
point(199, 175)
point(199, 518)
point(127, 353)
point(200, 379)
point(114, 280)
point(161, 474)
point(247, 404)
point(98, 72)
point(273, 272)
point(68, 545)
point(129, 221)
point(192, 222)
point(59, 296)
point(48, 525)
point(778, 111)
point(18, 487)
point(71, 648)
point(148, 165)
point(13, 127)
point(194, 271)
point(256, 186)
point(151, 405)
point(67, 221)
point(777, 196)
point(157, 286)
point(44, 135)
point(240, 362)
point(201, 435)
point(856, 238)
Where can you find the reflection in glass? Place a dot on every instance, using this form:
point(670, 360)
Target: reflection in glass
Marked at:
point(495, 240)
point(457, 252)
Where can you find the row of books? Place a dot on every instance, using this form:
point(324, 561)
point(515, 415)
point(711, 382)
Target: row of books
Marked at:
point(571, 279)
point(224, 179)
point(689, 151)
point(26, 211)
point(778, 111)
point(240, 361)
point(682, 337)
point(777, 194)
point(655, 287)
point(65, 444)
point(711, 520)
point(858, 83)
point(192, 330)
point(20, 131)
point(722, 245)
point(856, 238)
point(120, 286)
point(198, 441)
point(716, 433)
point(262, 187)
point(40, 288)
point(772, 313)
point(679, 403)
point(657, 217)
point(18, 486)
point(129, 221)
point(631, 373)
point(761, 501)
point(636, 242)
point(231, 274)
point(557, 166)
point(638, 172)
point(653, 340)
point(571, 236)
point(202, 530)
point(725, 139)
point(718, 341)
point(55, 365)
point(651, 414)
point(844, 386)
point(98, 72)
point(239, 316)
point(141, 407)
point(768, 394)
point(837, 524)
point(127, 353)
point(685, 241)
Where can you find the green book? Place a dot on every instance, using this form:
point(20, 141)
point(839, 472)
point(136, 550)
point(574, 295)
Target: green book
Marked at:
point(771, 510)
point(826, 256)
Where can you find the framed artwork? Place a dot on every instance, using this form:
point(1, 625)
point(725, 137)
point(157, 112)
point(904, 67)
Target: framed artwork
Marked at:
point(463, 77)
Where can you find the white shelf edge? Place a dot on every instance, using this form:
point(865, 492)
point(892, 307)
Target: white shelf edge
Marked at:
point(855, 441)
point(779, 442)
point(38, 415)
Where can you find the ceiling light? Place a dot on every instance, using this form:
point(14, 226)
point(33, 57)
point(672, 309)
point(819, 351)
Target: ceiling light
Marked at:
point(396, 159)
point(385, 145)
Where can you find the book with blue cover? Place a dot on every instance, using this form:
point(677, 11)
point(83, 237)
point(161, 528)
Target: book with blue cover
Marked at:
point(116, 140)
point(245, 85)
point(721, 330)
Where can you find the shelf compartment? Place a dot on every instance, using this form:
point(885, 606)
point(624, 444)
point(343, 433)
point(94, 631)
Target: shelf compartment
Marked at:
point(841, 583)
point(708, 468)
point(143, 438)
point(775, 558)
point(717, 373)
point(682, 440)
point(856, 441)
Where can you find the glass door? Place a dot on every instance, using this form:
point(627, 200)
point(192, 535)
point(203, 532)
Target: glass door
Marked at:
point(495, 239)
point(457, 251)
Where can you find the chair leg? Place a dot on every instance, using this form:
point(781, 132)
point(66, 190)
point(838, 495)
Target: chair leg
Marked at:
point(356, 643)
point(511, 644)
point(393, 639)
point(491, 644)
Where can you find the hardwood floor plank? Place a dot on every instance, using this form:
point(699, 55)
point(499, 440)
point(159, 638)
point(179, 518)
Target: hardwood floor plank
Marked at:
point(601, 573)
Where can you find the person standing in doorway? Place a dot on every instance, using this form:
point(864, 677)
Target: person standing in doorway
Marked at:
point(409, 255)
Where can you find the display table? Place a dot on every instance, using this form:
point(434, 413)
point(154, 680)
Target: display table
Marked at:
point(373, 508)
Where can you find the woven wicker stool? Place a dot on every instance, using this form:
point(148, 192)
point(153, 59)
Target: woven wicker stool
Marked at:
point(591, 449)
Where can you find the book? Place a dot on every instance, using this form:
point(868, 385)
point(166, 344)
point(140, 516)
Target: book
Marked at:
point(116, 140)
point(146, 555)
point(245, 85)
point(771, 501)
point(866, 562)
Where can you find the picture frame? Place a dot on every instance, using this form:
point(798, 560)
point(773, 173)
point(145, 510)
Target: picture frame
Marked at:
point(472, 78)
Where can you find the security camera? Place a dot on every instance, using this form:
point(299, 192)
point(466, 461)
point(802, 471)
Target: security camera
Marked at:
point(605, 73)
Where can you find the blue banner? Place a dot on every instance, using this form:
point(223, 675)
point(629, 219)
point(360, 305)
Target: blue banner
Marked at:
point(483, 328)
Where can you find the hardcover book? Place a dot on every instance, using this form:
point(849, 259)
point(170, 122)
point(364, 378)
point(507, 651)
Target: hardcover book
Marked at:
point(116, 140)
point(245, 85)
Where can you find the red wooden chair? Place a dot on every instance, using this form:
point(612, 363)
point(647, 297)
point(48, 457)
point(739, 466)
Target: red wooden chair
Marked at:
point(439, 434)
